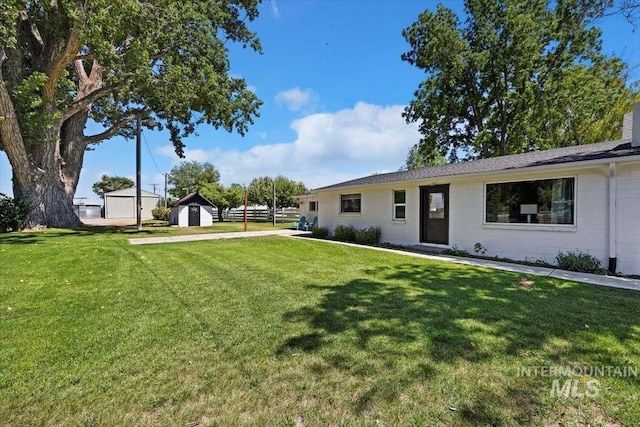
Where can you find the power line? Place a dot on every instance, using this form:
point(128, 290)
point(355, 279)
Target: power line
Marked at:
point(150, 153)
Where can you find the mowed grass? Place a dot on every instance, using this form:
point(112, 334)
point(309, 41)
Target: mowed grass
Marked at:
point(284, 331)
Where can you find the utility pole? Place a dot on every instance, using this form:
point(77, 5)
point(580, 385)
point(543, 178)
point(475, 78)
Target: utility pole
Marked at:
point(138, 175)
point(246, 200)
point(149, 122)
point(165, 190)
point(274, 203)
point(154, 187)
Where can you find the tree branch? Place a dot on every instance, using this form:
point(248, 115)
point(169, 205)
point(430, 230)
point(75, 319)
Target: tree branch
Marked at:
point(111, 131)
point(36, 44)
point(79, 66)
point(71, 48)
point(85, 102)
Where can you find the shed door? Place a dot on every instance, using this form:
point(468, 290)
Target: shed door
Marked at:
point(194, 216)
point(434, 214)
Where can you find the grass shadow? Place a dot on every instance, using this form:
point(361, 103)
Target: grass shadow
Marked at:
point(461, 316)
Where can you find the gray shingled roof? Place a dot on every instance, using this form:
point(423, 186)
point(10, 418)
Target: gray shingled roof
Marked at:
point(580, 153)
point(193, 197)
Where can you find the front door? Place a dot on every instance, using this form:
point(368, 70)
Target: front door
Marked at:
point(194, 216)
point(434, 214)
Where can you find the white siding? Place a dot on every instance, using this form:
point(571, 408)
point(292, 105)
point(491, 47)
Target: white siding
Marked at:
point(119, 207)
point(628, 218)
point(305, 206)
point(516, 241)
point(125, 206)
point(182, 215)
point(206, 216)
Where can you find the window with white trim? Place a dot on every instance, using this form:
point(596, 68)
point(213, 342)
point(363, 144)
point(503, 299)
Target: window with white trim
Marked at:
point(313, 206)
point(350, 203)
point(399, 204)
point(542, 201)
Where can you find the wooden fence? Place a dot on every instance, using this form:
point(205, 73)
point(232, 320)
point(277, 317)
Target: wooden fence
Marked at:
point(283, 215)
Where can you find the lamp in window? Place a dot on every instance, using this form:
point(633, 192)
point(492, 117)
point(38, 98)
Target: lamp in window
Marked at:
point(528, 210)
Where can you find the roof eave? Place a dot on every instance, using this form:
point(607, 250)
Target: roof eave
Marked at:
point(536, 168)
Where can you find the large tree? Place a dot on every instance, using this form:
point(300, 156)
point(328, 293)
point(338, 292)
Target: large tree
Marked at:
point(111, 183)
point(223, 197)
point(189, 177)
point(515, 76)
point(261, 191)
point(65, 62)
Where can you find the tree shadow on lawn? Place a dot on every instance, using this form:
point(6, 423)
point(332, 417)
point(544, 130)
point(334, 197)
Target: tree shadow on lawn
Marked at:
point(447, 314)
point(40, 237)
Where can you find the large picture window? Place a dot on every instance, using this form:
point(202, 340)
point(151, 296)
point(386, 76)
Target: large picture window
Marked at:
point(350, 203)
point(544, 201)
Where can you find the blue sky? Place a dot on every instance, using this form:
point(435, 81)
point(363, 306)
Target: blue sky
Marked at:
point(333, 88)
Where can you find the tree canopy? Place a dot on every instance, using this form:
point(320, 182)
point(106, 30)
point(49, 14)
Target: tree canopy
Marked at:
point(111, 183)
point(514, 76)
point(190, 177)
point(419, 160)
point(223, 197)
point(261, 191)
point(65, 62)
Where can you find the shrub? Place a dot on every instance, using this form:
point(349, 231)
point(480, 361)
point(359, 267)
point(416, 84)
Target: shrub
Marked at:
point(455, 251)
point(345, 233)
point(320, 232)
point(479, 249)
point(161, 214)
point(368, 236)
point(13, 212)
point(578, 261)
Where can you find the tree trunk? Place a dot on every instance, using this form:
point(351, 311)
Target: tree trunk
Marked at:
point(46, 172)
point(51, 204)
point(220, 212)
point(39, 174)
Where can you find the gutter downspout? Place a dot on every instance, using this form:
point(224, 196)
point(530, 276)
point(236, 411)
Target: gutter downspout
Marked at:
point(612, 218)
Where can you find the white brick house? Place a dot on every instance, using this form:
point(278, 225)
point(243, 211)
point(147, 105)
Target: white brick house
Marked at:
point(525, 206)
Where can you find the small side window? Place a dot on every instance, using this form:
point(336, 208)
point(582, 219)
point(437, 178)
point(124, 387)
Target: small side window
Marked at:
point(350, 203)
point(399, 204)
point(313, 206)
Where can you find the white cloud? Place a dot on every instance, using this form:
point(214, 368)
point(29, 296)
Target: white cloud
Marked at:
point(274, 9)
point(295, 98)
point(329, 148)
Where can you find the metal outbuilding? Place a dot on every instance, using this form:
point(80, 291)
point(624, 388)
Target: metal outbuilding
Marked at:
point(122, 203)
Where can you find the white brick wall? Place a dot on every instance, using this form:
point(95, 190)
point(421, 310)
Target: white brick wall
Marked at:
point(466, 216)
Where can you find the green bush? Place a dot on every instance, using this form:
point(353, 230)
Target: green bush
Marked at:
point(345, 233)
point(578, 261)
point(320, 232)
point(161, 214)
point(455, 251)
point(13, 212)
point(368, 236)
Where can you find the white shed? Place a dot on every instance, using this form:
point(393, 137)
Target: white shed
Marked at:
point(193, 210)
point(122, 203)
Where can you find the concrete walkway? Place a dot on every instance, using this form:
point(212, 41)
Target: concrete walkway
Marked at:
point(215, 236)
point(592, 279)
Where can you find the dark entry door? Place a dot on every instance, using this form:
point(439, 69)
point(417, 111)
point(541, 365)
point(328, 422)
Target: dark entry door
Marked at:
point(194, 216)
point(434, 214)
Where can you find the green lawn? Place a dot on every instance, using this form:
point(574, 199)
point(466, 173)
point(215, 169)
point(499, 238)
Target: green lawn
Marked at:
point(284, 331)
